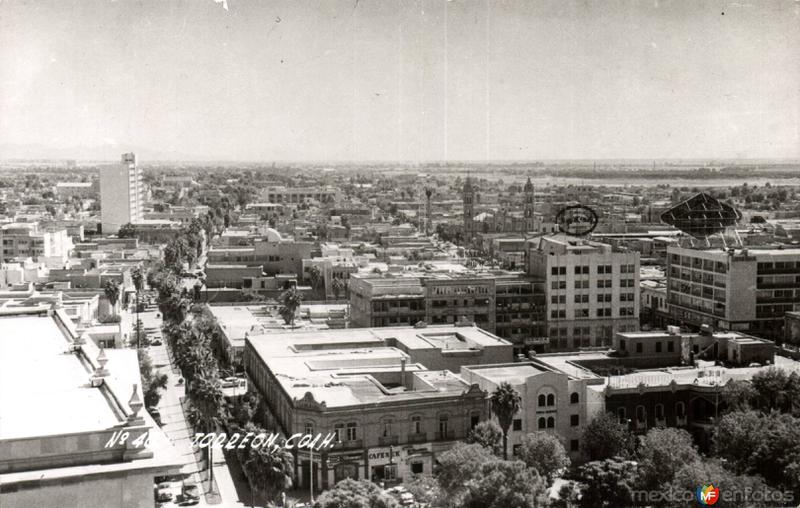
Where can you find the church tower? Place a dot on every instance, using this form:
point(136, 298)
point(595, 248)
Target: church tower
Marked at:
point(469, 210)
point(529, 225)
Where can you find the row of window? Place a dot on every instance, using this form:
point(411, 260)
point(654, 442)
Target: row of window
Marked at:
point(350, 430)
point(601, 269)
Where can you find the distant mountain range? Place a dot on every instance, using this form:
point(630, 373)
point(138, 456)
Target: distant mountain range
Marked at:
point(107, 152)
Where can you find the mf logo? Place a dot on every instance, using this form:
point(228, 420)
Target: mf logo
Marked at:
point(707, 494)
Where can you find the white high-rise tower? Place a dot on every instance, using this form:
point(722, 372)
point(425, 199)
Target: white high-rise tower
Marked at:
point(121, 197)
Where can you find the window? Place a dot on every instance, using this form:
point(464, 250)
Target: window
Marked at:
point(658, 347)
point(542, 400)
point(638, 347)
point(417, 468)
point(551, 400)
point(680, 410)
point(516, 449)
point(574, 398)
point(659, 411)
point(474, 420)
point(670, 347)
point(641, 414)
point(574, 420)
point(542, 423)
point(621, 416)
point(387, 427)
point(551, 422)
point(444, 421)
point(338, 429)
point(517, 424)
point(558, 270)
point(416, 424)
point(574, 445)
point(352, 431)
point(309, 428)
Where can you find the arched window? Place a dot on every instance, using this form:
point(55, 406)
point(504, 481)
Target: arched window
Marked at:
point(574, 398)
point(551, 422)
point(659, 411)
point(680, 409)
point(641, 414)
point(551, 400)
point(621, 415)
point(542, 400)
point(542, 423)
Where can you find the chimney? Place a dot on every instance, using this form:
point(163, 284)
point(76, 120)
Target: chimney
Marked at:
point(403, 372)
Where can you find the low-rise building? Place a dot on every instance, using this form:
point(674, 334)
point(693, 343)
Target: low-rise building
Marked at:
point(64, 449)
point(390, 395)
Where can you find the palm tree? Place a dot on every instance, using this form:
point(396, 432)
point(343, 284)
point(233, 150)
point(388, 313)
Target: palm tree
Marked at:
point(506, 403)
point(138, 283)
point(111, 290)
point(206, 395)
point(269, 469)
point(290, 302)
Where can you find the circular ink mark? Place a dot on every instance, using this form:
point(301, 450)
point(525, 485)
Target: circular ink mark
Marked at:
point(576, 220)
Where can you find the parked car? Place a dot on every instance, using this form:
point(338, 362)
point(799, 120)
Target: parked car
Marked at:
point(156, 342)
point(163, 492)
point(190, 493)
point(155, 413)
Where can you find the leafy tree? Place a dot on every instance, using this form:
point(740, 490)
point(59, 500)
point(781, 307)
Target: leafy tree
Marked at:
point(738, 395)
point(138, 282)
point(426, 490)
point(127, 231)
point(459, 465)
point(545, 453)
point(776, 390)
point(610, 482)
point(505, 484)
point(489, 435)
point(112, 291)
point(662, 453)
point(290, 302)
point(506, 402)
point(737, 488)
point(351, 493)
point(757, 443)
point(605, 438)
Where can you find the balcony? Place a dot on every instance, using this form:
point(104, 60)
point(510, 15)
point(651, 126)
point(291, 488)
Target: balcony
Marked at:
point(445, 436)
point(418, 438)
point(387, 440)
point(349, 445)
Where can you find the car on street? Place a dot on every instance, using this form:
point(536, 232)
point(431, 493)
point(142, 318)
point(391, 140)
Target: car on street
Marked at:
point(155, 413)
point(190, 493)
point(156, 342)
point(163, 492)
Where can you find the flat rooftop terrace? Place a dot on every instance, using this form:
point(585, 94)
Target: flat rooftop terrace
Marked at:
point(43, 389)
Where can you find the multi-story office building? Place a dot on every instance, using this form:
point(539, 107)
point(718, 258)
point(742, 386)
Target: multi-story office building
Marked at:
point(121, 196)
point(735, 289)
point(506, 303)
point(390, 395)
point(592, 290)
point(28, 240)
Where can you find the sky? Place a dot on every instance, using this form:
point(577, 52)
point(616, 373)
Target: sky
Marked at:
point(404, 80)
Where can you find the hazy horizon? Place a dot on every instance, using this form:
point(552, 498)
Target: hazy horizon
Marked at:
point(364, 81)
